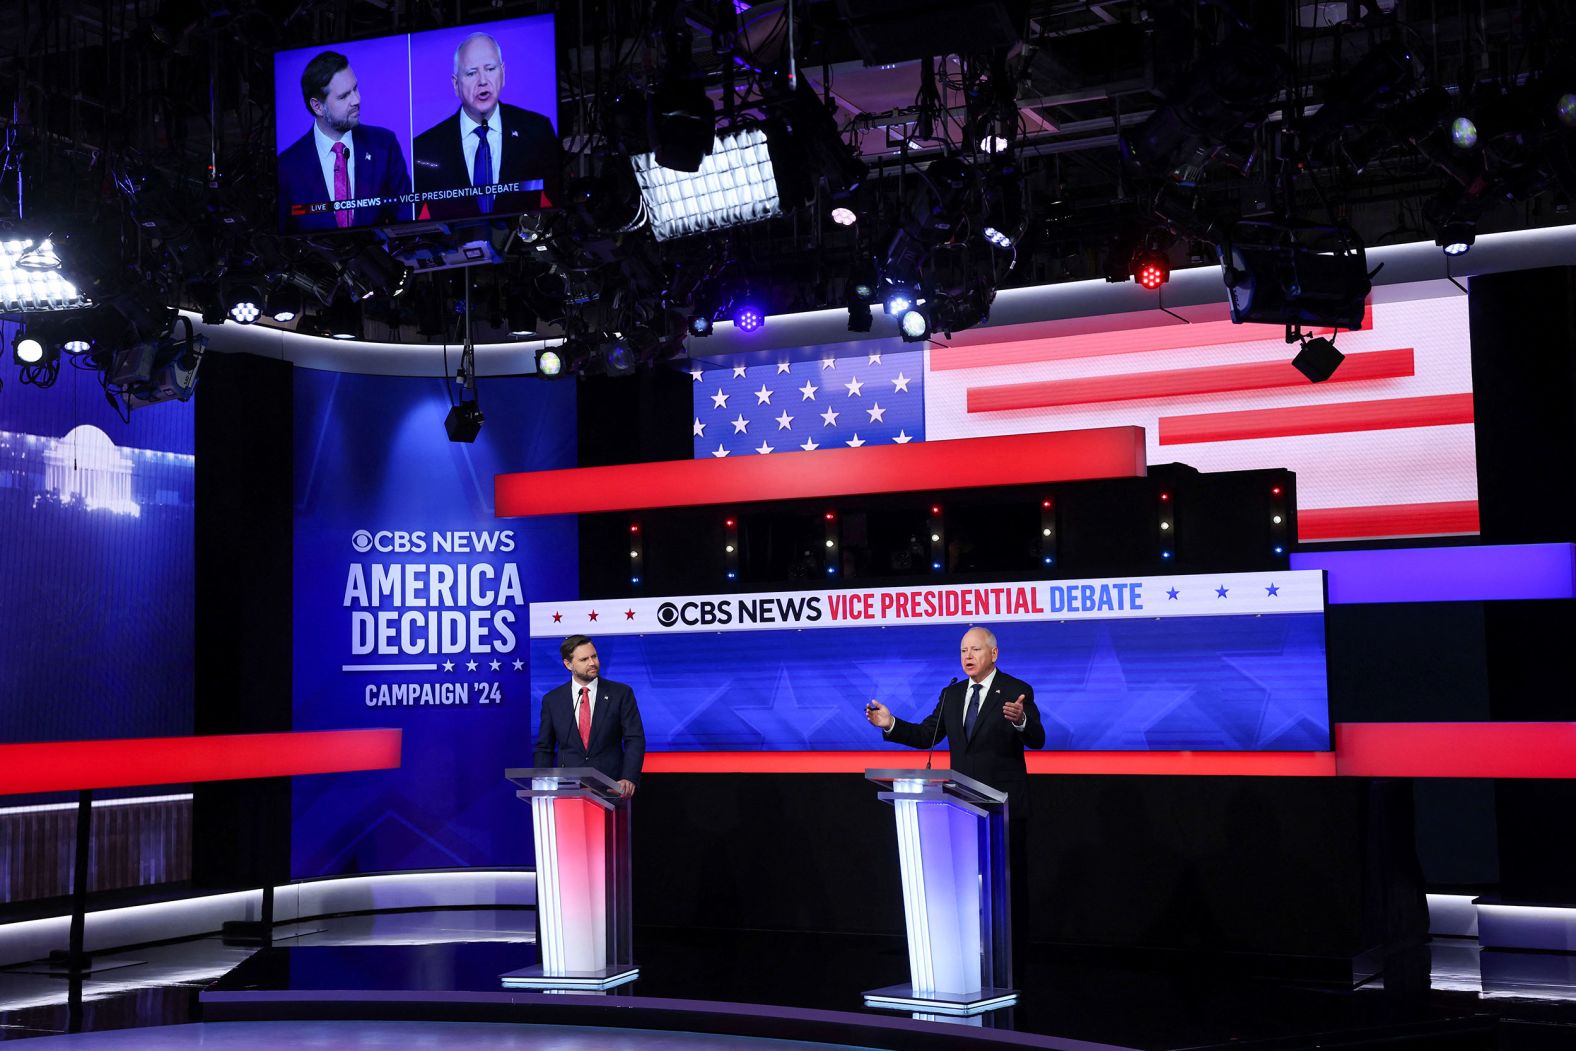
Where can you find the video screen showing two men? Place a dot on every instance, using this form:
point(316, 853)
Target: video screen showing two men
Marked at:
point(445, 125)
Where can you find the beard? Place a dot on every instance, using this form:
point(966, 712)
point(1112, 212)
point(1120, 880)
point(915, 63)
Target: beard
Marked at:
point(345, 123)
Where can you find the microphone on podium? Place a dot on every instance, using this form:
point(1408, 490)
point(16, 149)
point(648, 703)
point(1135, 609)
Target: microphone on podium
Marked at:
point(930, 753)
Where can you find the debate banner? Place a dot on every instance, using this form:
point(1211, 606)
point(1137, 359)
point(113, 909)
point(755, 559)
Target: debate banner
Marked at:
point(410, 612)
point(1225, 662)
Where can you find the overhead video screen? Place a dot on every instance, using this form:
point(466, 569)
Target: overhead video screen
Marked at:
point(449, 124)
point(1230, 662)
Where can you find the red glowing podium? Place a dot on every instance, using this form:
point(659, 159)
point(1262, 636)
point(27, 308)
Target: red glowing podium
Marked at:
point(580, 821)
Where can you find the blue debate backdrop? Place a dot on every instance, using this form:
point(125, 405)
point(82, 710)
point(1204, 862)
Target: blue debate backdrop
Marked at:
point(410, 611)
point(1234, 662)
point(96, 516)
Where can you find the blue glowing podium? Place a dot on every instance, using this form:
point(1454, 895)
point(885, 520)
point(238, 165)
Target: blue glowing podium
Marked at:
point(952, 851)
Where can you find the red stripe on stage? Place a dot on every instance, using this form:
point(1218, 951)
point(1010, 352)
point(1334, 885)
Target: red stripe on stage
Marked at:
point(1070, 339)
point(1456, 750)
point(1176, 383)
point(1212, 764)
point(59, 766)
point(1353, 523)
point(1433, 411)
point(1015, 459)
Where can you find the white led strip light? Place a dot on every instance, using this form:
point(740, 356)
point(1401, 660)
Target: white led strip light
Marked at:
point(911, 864)
point(549, 905)
point(735, 185)
point(26, 289)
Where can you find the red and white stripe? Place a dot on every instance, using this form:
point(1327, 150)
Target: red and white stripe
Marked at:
point(1384, 448)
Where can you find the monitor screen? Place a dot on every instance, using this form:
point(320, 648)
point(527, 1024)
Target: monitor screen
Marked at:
point(448, 124)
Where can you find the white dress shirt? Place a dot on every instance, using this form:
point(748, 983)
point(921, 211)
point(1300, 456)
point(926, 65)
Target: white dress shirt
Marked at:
point(325, 157)
point(494, 141)
point(968, 694)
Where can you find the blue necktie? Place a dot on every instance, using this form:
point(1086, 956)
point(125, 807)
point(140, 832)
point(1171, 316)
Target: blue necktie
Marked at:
point(481, 171)
point(972, 713)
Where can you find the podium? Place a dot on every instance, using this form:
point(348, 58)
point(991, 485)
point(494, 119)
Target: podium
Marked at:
point(952, 851)
point(581, 828)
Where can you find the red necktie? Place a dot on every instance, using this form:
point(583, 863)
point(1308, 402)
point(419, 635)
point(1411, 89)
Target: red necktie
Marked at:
point(585, 718)
point(341, 184)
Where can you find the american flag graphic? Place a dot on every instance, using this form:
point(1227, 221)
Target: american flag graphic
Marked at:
point(1384, 448)
point(833, 402)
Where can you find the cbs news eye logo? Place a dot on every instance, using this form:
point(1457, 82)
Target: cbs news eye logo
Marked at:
point(667, 614)
point(361, 540)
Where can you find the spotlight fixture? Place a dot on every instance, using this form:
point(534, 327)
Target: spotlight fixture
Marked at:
point(698, 325)
point(243, 303)
point(284, 304)
point(1565, 110)
point(998, 238)
point(1318, 359)
point(549, 363)
point(1150, 268)
point(522, 319)
point(1456, 237)
point(736, 184)
point(914, 325)
point(859, 319)
point(341, 319)
point(26, 287)
point(844, 216)
point(1464, 133)
point(899, 301)
point(27, 349)
point(747, 317)
point(464, 422)
point(1295, 274)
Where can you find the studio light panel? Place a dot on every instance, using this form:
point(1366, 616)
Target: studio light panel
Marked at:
point(736, 184)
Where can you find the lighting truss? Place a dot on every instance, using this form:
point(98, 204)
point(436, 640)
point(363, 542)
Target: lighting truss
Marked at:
point(736, 184)
point(26, 288)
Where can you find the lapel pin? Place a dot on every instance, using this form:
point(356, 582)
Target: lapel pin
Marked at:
point(366, 156)
point(514, 134)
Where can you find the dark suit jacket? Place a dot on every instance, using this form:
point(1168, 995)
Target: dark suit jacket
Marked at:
point(618, 740)
point(378, 168)
point(530, 151)
point(994, 754)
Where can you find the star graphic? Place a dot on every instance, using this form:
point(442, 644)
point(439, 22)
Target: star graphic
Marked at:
point(877, 413)
point(764, 449)
point(740, 425)
point(784, 421)
point(557, 617)
point(719, 452)
point(738, 372)
point(903, 438)
point(719, 400)
point(855, 442)
point(695, 375)
point(854, 386)
point(1172, 593)
point(519, 665)
point(782, 367)
point(829, 363)
point(875, 359)
point(1273, 589)
point(470, 665)
point(764, 395)
point(448, 665)
point(809, 445)
point(830, 416)
point(699, 428)
point(900, 384)
point(593, 614)
point(1221, 591)
point(494, 665)
point(629, 614)
point(808, 390)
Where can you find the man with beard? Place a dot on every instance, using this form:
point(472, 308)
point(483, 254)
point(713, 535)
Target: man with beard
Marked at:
point(486, 142)
point(339, 159)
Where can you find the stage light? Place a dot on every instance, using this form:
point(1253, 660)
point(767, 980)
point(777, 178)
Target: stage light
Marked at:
point(914, 325)
point(1150, 268)
point(40, 257)
point(681, 120)
point(341, 319)
point(27, 349)
point(899, 301)
point(1318, 359)
point(859, 319)
point(549, 364)
point(76, 346)
point(699, 325)
point(864, 291)
point(617, 357)
point(284, 304)
point(33, 288)
point(843, 216)
point(1565, 109)
point(1463, 133)
point(245, 311)
point(736, 184)
point(1295, 274)
point(522, 319)
point(464, 422)
point(748, 318)
point(997, 238)
point(1456, 237)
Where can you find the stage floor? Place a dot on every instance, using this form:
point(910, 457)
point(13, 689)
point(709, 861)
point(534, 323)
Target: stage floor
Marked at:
point(438, 971)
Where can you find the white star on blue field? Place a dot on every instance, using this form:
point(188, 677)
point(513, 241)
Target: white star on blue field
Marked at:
point(870, 399)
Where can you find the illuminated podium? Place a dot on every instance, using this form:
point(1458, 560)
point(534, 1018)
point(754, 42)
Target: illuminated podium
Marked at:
point(581, 827)
point(952, 851)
